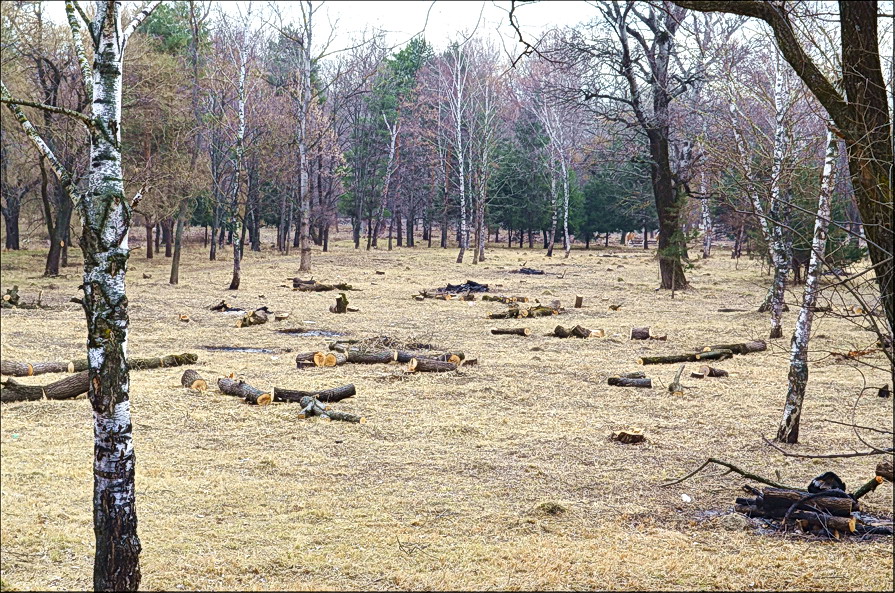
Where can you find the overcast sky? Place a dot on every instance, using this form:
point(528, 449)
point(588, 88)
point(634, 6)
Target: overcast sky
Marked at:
point(403, 20)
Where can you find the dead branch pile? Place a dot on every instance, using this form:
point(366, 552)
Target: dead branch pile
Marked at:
point(454, 290)
point(516, 312)
point(528, 271)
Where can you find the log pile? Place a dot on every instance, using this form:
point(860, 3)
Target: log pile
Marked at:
point(830, 512)
point(256, 317)
point(314, 286)
point(454, 290)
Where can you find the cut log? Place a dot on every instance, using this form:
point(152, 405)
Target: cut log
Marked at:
point(707, 371)
point(579, 301)
point(407, 355)
point(695, 375)
point(675, 387)
point(739, 348)
point(256, 317)
point(425, 365)
point(507, 300)
point(728, 310)
point(511, 331)
point(314, 286)
point(542, 311)
point(331, 359)
point(385, 356)
point(884, 470)
point(630, 382)
point(65, 388)
point(778, 500)
point(325, 395)
point(312, 407)
point(628, 437)
point(305, 359)
point(640, 333)
point(828, 522)
point(867, 488)
point(24, 369)
point(674, 358)
point(241, 389)
point(577, 332)
point(192, 380)
point(341, 305)
point(224, 307)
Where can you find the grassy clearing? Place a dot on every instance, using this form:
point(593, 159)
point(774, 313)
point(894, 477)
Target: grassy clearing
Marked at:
point(497, 477)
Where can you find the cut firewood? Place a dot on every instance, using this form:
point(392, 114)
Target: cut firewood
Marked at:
point(630, 382)
point(628, 437)
point(184, 318)
point(543, 311)
point(640, 333)
point(577, 332)
point(425, 365)
point(579, 301)
point(867, 488)
point(407, 355)
point(24, 369)
point(320, 359)
point(884, 470)
point(673, 358)
point(675, 387)
point(325, 395)
point(281, 316)
point(331, 359)
point(192, 380)
point(739, 348)
point(511, 331)
point(66, 388)
point(256, 317)
point(385, 356)
point(781, 499)
point(251, 395)
point(827, 522)
point(707, 371)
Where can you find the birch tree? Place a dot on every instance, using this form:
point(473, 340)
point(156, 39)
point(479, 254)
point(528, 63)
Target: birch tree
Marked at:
point(105, 215)
point(788, 431)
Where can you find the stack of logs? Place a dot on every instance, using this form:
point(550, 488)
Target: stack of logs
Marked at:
point(831, 513)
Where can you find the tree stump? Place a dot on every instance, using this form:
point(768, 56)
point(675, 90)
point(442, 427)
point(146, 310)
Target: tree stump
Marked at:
point(628, 437)
point(579, 301)
point(341, 305)
point(192, 380)
point(640, 333)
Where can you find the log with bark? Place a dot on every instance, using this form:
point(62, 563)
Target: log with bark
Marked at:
point(407, 355)
point(256, 317)
point(628, 437)
point(250, 394)
point(24, 369)
point(830, 510)
point(192, 380)
point(325, 395)
point(510, 331)
point(675, 358)
point(506, 300)
point(631, 380)
point(314, 286)
point(426, 365)
point(341, 305)
point(10, 298)
point(567, 332)
point(707, 371)
point(640, 333)
point(223, 307)
point(739, 348)
point(311, 406)
point(66, 388)
point(579, 301)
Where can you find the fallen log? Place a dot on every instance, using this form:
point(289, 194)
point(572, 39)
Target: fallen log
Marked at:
point(325, 395)
point(628, 437)
point(192, 380)
point(251, 395)
point(829, 522)
point(867, 488)
point(223, 307)
point(511, 313)
point(425, 365)
point(529, 271)
point(314, 286)
point(511, 331)
point(310, 406)
point(674, 358)
point(507, 300)
point(739, 348)
point(543, 311)
point(707, 371)
point(630, 382)
point(24, 369)
point(407, 356)
point(383, 357)
point(65, 388)
point(577, 332)
point(779, 500)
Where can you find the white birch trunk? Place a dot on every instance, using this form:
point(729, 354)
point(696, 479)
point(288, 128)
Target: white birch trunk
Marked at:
point(304, 208)
point(788, 431)
point(239, 205)
point(706, 218)
point(567, 242)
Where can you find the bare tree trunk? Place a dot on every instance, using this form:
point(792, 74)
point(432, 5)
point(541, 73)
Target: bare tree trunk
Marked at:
point(178, 241)
point(706, 218)
point(788, 432)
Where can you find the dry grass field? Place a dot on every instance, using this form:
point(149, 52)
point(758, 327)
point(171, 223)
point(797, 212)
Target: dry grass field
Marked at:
point(500, 476)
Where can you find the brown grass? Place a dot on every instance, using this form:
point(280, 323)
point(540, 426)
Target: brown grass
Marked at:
point(500, 476)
